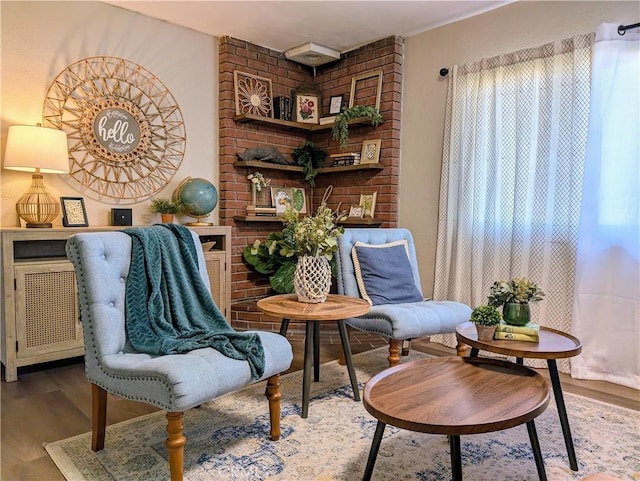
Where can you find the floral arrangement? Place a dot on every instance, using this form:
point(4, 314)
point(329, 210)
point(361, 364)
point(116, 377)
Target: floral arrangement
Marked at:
point(313, 234)
point(519, 290)
point(258, 181)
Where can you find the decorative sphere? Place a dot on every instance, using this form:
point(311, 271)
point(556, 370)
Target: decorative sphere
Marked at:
point(199, 196)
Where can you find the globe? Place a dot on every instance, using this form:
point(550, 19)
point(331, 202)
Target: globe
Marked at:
point(199, 197)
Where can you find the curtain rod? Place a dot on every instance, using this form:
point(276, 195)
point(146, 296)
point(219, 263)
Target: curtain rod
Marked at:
point(622, 29)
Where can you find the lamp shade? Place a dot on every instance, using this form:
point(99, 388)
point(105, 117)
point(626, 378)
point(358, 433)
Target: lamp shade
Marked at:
point(32, 147)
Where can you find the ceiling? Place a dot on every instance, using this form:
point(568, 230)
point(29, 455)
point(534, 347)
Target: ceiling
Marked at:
point(281, 25)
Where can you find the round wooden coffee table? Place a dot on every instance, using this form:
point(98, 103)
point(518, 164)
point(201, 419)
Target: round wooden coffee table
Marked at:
point(336, 308)
point(456, 396)
point(553, 345)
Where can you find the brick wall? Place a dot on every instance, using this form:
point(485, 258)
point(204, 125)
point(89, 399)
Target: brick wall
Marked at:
point(332, 79)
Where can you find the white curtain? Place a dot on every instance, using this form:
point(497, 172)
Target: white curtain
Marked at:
point(606, 315)
point(514, 146)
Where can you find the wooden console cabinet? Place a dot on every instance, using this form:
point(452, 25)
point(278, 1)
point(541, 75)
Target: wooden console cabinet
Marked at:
point(40, 319)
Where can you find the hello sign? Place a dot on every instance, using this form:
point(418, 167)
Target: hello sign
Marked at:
point(116, 130)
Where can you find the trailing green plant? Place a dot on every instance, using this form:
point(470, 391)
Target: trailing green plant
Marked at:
point(340, 130)
point(161, 205)
point(278, 254)
point(311, 158)
point(486, 316)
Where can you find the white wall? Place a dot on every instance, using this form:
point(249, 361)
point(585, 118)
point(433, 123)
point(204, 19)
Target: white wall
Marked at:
point(513, 27)
point(40, 39)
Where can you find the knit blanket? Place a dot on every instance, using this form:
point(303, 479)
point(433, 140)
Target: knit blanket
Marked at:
point(169, 309)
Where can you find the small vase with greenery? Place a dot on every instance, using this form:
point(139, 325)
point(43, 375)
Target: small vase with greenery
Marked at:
point(515, 296)
point(167, 208)
point(311, 158)
point(340, 130)
point(486, 318)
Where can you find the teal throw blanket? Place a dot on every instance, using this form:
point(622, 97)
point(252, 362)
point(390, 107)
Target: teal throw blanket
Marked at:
point(169, 310)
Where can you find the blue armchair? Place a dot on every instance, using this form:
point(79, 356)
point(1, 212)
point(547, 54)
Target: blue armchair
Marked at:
point(372, 264)
point(175, 382)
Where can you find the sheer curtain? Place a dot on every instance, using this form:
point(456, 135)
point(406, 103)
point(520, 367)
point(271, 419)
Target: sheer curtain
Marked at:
point(514, 146)
point(606, 315)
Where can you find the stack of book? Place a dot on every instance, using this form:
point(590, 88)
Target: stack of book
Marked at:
point(253, 211)
point(529, 332)
point(282, 108)
point(345, 158)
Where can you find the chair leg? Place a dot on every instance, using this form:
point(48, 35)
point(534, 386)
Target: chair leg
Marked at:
point(98, 417)
point(274, 395)
point(406, 347)
point(394, 352)
point(175, 444)
point(462, 350)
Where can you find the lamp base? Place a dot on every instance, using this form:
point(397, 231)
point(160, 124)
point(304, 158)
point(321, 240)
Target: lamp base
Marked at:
point(44, 225)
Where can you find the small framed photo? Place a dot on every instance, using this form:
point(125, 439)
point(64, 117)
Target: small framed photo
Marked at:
point(280, 199)
point(370, 151)
point(368, 203)
point(73, 212)
point(299, 199)
point(355, 212)
point(306, 108)
point(335, 105)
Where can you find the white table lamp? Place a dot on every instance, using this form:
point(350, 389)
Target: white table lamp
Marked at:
point(39, 150)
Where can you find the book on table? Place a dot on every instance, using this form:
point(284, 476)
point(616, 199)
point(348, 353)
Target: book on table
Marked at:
point(514, 336)
point(530, 329)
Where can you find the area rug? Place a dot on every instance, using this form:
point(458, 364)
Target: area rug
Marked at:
point(227, 440)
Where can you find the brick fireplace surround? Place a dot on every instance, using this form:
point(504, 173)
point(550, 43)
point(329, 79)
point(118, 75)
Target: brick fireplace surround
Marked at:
point(332, 79)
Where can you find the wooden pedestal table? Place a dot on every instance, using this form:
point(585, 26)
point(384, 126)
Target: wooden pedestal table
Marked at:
point(553, 345)
point(336, 308)
point(456, 396)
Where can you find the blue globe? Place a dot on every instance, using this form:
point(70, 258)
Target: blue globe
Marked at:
point(198, 195)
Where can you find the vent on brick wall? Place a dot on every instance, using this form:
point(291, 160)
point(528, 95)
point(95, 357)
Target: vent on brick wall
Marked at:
point(312, 54)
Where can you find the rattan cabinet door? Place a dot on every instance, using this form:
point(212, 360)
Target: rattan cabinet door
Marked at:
point(47, 319)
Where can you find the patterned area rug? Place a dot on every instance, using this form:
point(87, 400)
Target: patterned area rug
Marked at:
point(227, 440)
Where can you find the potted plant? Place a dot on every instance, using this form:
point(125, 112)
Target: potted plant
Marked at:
point(340, 129)
point(279, 255)
point(311, 158)
point(486, 318)
point(515, 296)
point(167, 208)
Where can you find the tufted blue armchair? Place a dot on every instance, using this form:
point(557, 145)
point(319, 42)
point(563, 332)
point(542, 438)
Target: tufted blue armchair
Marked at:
point(174, 382)
point(397, 321)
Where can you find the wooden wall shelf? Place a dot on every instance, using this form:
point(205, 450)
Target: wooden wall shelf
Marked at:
point(295, 168)
point(247, 118)
point(273, 219)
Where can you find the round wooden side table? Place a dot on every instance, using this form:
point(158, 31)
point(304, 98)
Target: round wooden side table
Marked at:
point(336, 308)
point(553, 344)
point(456, 396)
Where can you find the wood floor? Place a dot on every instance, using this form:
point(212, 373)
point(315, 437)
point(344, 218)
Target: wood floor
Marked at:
point(53, 401)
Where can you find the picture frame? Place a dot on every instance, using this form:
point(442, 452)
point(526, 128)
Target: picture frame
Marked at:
point(253, 94)
point(74, 213)
point(335, 104)
point(366, 89)
point(370, 151)
point(280, 199)
point(306, 108)
point(356, 212)
point(299, 199)
point(368, 203)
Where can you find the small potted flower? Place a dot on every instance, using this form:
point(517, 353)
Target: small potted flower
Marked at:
point(486, 318)
point(515, 296)
point(258, 182)
point(167, 208)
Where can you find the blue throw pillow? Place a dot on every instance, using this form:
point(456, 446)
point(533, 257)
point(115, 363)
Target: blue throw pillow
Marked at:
point(384, 273)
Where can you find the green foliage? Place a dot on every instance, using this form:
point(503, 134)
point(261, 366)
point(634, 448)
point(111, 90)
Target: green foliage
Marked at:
point(520, 290)
point(166, 206)
point(340, 130)
point(486, 316)
point(278, 254)
point(310, 157)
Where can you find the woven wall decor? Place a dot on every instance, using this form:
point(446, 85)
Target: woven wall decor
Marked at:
point(253, 94)
point(125, 130)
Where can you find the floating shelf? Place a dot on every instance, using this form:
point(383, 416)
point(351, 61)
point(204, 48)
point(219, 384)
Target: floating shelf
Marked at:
point(248, 118)
point(266, 218)
point(295, 168)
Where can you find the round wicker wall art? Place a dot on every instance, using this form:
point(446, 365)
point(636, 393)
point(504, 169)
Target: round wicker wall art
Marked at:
point(125, 130)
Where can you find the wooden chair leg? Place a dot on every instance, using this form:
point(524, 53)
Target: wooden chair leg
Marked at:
point(175, 445)
point(462, 349)
point(274, 395)
point(394, 352)
point(406, 347)
point(98, 417)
